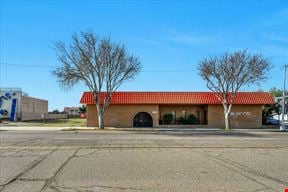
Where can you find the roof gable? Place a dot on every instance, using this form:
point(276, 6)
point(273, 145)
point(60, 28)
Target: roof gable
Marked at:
point(252, 98)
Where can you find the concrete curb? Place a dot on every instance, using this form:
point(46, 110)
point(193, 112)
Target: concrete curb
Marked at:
point(39, 128)
point(44, 128)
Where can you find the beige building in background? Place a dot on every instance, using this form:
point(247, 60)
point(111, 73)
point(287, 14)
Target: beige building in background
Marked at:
point(72, 112)
point(33, 108)
point(189, 109)
point(18, 106)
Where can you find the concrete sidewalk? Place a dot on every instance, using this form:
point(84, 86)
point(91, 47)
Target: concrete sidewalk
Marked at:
point(41, 128)
point(44, 128)
point(180, 130)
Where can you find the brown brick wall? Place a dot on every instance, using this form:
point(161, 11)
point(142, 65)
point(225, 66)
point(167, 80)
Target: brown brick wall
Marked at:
point(121, 115)
point(240, 119)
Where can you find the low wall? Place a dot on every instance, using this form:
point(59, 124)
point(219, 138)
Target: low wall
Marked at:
point(57, 116)
point(36, 116)
point(29, 116)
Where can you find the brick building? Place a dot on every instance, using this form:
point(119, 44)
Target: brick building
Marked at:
point(190, 109)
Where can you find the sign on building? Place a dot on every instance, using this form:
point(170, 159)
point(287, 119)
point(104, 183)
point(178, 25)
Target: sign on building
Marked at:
point(9, 103)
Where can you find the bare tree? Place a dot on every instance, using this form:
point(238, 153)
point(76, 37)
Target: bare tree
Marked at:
point(226, 74)
point(100, 64)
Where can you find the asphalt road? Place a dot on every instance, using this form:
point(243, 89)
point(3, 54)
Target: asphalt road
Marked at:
point(64, 161)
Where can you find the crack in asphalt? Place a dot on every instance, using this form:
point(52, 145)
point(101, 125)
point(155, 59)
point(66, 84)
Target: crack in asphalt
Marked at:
point(24, 142)
point(21, 148)
point(246, 169)
point(257, 190)
point(54, 188)
point(240, 173)
point(21, 153)
point(90, 188)
point(26, 168)
point(49, 181)
point(87, 154)
point(140, 147)
point(26, 179)
point(249, 169)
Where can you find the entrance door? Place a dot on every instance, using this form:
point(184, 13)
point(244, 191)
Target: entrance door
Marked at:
point(142, 119)
point(205, 118)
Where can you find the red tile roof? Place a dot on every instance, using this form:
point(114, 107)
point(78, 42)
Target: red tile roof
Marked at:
point(253, 98)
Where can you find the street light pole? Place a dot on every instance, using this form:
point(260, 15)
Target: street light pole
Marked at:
point(282, 127)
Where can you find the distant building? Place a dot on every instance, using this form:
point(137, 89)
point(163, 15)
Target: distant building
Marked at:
point(72, 111)
point(16, 105)
point(194, 109)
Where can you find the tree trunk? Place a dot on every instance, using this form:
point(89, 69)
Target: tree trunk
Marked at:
point(227, 109)
point(100, 120)
point(227, 123)
point(100, 116)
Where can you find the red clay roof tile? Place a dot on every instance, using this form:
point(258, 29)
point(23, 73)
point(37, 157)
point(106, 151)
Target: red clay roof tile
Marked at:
point(179, 98)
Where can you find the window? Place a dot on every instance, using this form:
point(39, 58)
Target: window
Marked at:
point(183, 114)
point(198, 116)
point(174, 116)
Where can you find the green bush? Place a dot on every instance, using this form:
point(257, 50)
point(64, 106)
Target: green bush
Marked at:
point(182, 121)
point(168, 118)
point(191, 120)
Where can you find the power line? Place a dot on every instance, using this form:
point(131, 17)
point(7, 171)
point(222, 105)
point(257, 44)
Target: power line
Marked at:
point(171, 71)
point(21, 65)
point(145, 71)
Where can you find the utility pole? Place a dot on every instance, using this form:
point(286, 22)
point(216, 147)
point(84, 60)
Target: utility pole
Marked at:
point(282, 127)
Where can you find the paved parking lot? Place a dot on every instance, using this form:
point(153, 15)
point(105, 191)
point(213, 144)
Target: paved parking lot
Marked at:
point(208, 160)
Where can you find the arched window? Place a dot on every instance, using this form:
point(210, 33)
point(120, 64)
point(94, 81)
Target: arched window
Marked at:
point(142, 119)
